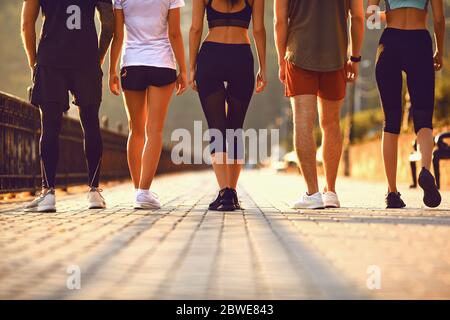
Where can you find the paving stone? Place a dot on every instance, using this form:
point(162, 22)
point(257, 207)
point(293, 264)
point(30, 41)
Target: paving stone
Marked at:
point(267, 251)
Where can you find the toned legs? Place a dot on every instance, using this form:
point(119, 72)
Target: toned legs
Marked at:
point(305, 114)
point(329, 112)
point(425, 146)
point(136, 106)
point(390, 152)
point(158, 99)
point(227, 171)
point(220, 119)
point(219, 163)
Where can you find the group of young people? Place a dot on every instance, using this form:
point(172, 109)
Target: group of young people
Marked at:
point(319, 50)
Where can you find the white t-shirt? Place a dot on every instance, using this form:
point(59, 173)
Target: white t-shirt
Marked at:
point(147, 41)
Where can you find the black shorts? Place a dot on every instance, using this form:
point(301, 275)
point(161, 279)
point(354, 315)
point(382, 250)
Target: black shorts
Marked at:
point(53, 84)
point(139, 78)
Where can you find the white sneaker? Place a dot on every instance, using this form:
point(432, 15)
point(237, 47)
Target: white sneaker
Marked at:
point(45, 202)
point(331, 200)
point(147, 200)
point(313, 201)
point(95, 199)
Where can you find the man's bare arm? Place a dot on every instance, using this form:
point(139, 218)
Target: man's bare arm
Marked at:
point(30, 13)
point(356, 26)
point(281, 27)
point(281, 16)
point(106, 17)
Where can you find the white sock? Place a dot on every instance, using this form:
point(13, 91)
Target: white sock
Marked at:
point(142, 192)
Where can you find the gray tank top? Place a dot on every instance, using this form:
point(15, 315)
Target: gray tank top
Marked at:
point(318, 34)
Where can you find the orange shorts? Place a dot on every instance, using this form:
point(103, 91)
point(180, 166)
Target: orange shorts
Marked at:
point(327, 85)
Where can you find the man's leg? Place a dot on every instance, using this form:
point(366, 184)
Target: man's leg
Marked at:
point(93, 145)
point(329, 112)
point(51, 120)
point(305, 114)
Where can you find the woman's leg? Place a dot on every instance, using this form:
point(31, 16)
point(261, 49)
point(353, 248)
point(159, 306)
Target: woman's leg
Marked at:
point(236, 154)
point(421, 86)
point(158, 99)
point(211, 89)
point(219, 163)
point(390, 156)
point(239, 93)
point(214, 109)
point(390, 82)
point(425, 145)
point(136, 106)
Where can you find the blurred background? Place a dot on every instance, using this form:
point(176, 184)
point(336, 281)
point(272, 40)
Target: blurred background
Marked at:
point(361, 116)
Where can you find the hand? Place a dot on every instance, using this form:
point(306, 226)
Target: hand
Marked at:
point(114, 84)
point(182, 83)
point(261, 81)
point(351, 71)
point(102, 60)
point(192, 82)
point(438, 61)
point(282, 72)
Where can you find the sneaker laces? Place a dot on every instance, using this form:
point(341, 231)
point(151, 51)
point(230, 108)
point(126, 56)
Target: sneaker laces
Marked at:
point(44, 192)
point(40, 196)
point(98, 190)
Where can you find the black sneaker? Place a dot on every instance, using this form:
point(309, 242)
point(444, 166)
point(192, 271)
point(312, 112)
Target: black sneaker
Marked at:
point(216, 203)
point(394, 201)
point(431, 197)
point(237, 204)
point(227, 201)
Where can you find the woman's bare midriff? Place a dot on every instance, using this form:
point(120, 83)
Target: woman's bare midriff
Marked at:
point(407, 19)
point(229, 35)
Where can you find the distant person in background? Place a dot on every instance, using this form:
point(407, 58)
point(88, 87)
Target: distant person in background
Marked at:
point(312, 43)
point(226, 57)
point(153, 47)
point(406, 46)
point(69, 58)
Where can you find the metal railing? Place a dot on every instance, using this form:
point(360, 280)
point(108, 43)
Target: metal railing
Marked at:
point(19, 150)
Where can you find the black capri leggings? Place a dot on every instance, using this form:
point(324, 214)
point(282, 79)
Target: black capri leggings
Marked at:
point(233, 64)
point(410, 51)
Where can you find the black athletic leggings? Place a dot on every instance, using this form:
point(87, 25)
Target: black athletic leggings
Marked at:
point(233, 64)
point(410, 51)
point(51, 120)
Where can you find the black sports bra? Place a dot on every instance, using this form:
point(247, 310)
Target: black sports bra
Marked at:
point(229, 19)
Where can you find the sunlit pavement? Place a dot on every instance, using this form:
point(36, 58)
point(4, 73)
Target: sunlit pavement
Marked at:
point(266, 251)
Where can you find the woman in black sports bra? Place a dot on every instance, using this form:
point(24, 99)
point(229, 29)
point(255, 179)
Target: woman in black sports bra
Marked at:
point(223, 74)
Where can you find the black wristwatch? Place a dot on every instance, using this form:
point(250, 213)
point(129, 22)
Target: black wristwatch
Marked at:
point(355, 59)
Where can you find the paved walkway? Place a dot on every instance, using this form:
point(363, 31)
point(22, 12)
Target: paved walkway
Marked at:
point(267, 251)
